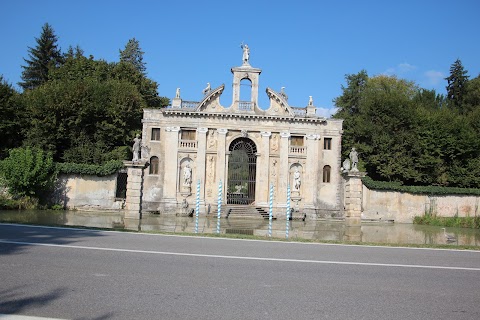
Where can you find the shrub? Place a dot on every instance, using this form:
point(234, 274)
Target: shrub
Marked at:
point(27, 172)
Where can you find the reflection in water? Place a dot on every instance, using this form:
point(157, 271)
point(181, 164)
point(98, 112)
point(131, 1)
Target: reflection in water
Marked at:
point(391, 233)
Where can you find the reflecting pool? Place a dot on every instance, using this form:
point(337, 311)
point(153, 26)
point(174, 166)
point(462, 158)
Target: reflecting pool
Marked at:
point(368, 232)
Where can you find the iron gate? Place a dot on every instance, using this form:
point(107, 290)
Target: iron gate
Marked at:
point(242, 167)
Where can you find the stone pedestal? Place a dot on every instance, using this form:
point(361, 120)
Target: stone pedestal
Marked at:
point(353, 197)
point(353, 233)
point(133, 201)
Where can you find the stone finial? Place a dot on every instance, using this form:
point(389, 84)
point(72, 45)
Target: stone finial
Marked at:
point(283, 94)
point(207, 89)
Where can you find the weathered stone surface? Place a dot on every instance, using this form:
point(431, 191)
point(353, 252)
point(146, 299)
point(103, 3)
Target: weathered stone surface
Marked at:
point(285, 138)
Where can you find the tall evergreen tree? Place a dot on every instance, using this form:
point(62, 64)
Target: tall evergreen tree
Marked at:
point(11, 115)
point(42, 58)
point(133, 54)
point(457, 82)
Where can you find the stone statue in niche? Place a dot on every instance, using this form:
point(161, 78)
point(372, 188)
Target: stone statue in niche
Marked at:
point(296, 179)
point(137, 142)
point(187, 175)
point(354, 159)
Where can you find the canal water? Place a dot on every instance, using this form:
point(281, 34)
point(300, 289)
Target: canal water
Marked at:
point(368, 232)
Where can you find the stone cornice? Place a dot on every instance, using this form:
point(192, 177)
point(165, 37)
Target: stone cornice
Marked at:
point(194, 114)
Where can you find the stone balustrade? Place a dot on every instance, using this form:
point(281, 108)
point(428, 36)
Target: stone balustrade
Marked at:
point(301, 112)
point(187, 144)
point(189, 104)
point(245, 105)
point(298, 150)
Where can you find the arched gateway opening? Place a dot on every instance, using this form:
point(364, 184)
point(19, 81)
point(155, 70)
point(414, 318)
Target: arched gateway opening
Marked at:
point(242, 169)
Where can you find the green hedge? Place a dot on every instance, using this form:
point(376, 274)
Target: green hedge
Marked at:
point(108, 168)
point(430, 190)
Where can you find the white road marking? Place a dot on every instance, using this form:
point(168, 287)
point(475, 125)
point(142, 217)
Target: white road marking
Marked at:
point(241, 258)
point(17, 317)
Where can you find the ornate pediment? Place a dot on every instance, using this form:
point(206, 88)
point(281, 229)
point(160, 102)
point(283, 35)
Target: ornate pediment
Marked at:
point(212, 99)
point(278, 104)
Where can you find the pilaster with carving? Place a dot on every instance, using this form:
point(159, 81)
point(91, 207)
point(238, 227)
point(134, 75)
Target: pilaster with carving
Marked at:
point(284, 175)
point(262, 188)
point(221, 157)
point(201, 159)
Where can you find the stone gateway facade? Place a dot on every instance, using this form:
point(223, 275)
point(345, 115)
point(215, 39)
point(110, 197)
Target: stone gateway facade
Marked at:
point(243, 150)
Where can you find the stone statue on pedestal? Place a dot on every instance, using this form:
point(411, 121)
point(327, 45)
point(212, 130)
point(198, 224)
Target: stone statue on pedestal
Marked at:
point(246, 53)
point(354, 159)
point(136, 148)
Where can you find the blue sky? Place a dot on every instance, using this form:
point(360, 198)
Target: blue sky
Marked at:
point(306, 46)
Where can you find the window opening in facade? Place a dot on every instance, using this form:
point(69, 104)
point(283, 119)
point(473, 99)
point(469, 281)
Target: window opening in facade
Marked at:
point(153, 165)
point(326, 174)
point(296, 141)
point(327, 143)
point(188, 134)
point(155, 134)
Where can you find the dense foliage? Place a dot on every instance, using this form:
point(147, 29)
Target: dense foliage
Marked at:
point(11, 118)
point(80, 109)
point(108, 168)
point(410, 135)
point(28, 172)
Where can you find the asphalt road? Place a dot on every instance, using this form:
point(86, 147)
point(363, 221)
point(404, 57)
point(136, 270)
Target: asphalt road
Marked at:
point(84, 274)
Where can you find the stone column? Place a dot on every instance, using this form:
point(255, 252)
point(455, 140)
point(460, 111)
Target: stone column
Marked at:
point(283, 169)
point(263, 170)
point(133, 201)
point(221, 161)
point(201, 160)
point(353, 198)
point(171, 165)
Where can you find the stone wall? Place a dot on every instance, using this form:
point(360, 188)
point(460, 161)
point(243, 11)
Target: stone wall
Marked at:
point(403, 207)
point(84, 192)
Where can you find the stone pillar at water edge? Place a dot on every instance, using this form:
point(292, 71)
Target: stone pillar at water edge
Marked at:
point(133, 201)
point(353, 197)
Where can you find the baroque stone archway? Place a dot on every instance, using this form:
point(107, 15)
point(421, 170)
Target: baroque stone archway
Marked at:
point(242, 170)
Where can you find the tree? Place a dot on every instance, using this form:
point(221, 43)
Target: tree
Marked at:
point(348, 103)
point(28, 171)
point(83, 120)
point(45, 56)
point(134, 55)
point(11, 115)
point(471, 101)
point(457, 82)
